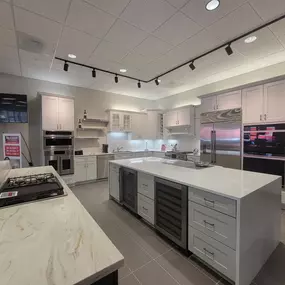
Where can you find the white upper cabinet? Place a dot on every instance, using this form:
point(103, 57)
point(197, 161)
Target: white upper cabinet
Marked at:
point(274, 102)
point(139, 126)
point(208, 104)
point(49, 113)
point(120, 121)
point(252, 105)
point(225, 101)
point(229, 100)
point(154, 125)
point(66, 114)
point(179, 117)
point(57, 113)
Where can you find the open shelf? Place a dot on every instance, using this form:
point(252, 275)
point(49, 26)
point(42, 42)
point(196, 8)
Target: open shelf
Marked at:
point(90, 120)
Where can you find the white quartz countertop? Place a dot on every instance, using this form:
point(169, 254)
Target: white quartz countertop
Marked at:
point(231, 183)
point(53, 242)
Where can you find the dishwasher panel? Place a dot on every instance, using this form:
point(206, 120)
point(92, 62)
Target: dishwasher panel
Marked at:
point(171, 217)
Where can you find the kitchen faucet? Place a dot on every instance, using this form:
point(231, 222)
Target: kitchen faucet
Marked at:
point(174, 147)
point(119, 148)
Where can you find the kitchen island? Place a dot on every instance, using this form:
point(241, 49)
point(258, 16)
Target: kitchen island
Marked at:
point(54, 241)
point(231, 218)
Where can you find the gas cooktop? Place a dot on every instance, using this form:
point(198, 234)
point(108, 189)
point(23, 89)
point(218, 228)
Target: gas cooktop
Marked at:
point(29, 188)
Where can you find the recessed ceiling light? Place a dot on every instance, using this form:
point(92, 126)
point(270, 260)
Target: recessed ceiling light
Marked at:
point(72, 55)
point(212, 5)
point(123, 70)
point(250, 39)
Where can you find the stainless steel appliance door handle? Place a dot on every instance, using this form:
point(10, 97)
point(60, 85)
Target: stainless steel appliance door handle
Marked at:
point(215, 146)
point(260, 117)
point(212, 146)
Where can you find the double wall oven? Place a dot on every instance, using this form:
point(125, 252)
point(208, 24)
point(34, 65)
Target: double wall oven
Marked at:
point(59, 151)
point(264, 149)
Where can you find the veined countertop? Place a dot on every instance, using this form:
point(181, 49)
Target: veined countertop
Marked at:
point(227, 182)
point(53, 242)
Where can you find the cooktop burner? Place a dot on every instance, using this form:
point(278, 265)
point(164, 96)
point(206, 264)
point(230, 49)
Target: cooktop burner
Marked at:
point(28, 188)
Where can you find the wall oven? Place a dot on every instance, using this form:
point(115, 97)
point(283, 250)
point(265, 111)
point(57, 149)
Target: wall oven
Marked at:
point(264, 149)
point(171, 211)
point(61, 160)
point(58, 139)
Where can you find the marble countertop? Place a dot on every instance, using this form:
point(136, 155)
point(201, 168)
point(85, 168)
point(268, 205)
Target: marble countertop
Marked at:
point(116, 153)
point(231, 183)
point(53, 242)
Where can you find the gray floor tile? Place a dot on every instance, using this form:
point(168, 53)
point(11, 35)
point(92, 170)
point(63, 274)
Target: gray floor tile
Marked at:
point(182, 270)
point(130, 280)
point(152, 274)
point(273, 272)
point(124, 271)
point(199, 264)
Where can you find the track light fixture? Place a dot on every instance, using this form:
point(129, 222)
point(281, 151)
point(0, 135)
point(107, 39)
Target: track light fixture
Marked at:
point(65, 67)
point(192, 66)
point(229, 49)
point(139, 84)
point(157, 81)
point(116, 79)
point(94, 73)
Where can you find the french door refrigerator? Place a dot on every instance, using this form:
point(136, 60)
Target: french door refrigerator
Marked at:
point(220, 138)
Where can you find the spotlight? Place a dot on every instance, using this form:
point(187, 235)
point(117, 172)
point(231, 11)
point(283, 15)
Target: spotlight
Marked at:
point(94, 73)
point(229, 50)
point(192, 66)
point(157, 81)
point(212, 5)
point(65, 67)
point(139, 84)
point(116, 78)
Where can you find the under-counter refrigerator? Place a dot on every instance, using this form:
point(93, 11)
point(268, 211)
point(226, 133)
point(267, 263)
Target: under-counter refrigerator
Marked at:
point(220, 138)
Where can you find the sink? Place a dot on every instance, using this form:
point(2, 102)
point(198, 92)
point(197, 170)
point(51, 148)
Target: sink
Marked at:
point(181, 163)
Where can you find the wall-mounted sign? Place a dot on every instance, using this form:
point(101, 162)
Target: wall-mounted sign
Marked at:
point(12, 149)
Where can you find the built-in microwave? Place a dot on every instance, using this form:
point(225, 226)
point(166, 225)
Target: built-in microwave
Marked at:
point(265, 140)
point(58, 139)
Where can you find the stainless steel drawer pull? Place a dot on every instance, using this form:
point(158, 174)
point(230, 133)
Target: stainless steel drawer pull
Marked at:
point(213, 225)
point(209, 201)
point(145, 185)
point(145, 208)
point(209, 252)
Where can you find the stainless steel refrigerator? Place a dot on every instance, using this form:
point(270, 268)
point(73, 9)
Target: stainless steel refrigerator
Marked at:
point(220, 138)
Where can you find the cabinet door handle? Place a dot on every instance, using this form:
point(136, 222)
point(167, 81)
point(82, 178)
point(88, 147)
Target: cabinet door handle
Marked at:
point(260, 117)
point(145, 209)
point(145, 185)
point(209, 202)
point(210, 252)
point(265, 117)
point(210, 224)
point(57, 126)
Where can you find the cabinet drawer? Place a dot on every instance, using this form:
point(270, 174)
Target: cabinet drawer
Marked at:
point(114, 167)
point(213, 201)
point(212, 223)
point(214, 253)
point(146, 185)
point(80, 159)
point(146, 208)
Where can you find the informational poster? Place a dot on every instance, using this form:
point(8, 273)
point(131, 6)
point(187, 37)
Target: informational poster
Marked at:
point(12, 149)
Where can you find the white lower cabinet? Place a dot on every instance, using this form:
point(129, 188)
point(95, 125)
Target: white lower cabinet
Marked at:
point(85, 169)
point(114, 181)
point(160, 154)
point(213, 223)
point(146, 185)
point(146, 208)
point(216, 254)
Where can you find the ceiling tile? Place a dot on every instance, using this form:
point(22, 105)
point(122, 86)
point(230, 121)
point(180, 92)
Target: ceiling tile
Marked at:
point(236, 23)
point(148, 14)
point(135, 60)
point(109, 51)
point(125, 35)
point(7, 37)
point(268, 10)
point(196, 10)
point(193, 47)
point(82, 47)
point(52, 9)
point(41, 28)
point(278, 28)
point(265, 45)
point(177, 29)
point(177, 3)
point(6, 18)
point(8, 52)
point(10, 66)
point(37, 60)
point(153, 47)
point(110, 6)
point(87, 18)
